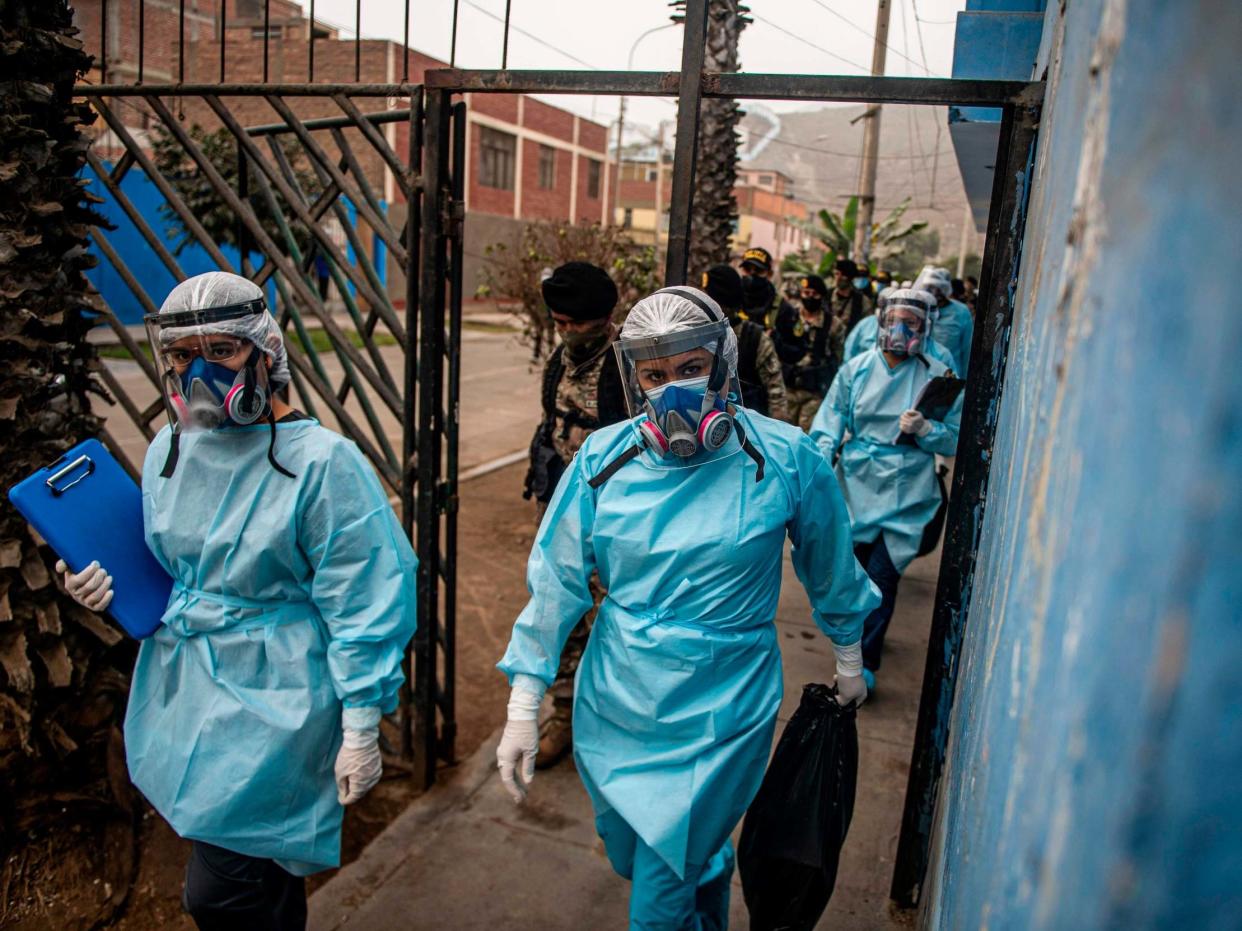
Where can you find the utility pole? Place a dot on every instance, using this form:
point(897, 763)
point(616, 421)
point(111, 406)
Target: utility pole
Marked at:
point(968, 222)
point(616, 191)
point(659, 195)
point(871, 144)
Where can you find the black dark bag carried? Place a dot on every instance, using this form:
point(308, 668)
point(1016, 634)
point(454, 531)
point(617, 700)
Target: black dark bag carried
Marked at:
point(546, 466)
point(793, 832)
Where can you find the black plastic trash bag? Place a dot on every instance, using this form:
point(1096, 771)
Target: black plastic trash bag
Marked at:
point(793, 832)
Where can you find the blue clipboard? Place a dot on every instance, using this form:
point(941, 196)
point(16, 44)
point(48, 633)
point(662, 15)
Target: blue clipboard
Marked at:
point(88, 508)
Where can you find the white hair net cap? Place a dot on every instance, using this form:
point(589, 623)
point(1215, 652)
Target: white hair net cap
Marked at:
point(933, 280)
point(918, 301)
point(674, 309)
point(220, 289)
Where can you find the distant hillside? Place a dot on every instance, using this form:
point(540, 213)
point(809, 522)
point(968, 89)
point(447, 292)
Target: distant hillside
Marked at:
point(820, 150)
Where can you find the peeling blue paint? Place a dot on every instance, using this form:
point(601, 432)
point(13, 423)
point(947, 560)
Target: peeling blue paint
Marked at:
point(1091, 780)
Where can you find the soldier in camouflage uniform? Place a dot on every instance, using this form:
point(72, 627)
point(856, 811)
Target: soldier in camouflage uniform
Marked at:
point(810, 342)
point(581, 393)
point(758, 368)
point(757, 263)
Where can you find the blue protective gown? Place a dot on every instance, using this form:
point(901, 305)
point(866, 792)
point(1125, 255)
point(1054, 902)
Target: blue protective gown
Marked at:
point(862, 338)
point(291, 598)
point(677, 691)
point(890, 488)
point(955, 329)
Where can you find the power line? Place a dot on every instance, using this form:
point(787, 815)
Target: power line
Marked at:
point(534, 38)
point(819, 48)
point(918, 30)
point(811, 148)
point(871, 36)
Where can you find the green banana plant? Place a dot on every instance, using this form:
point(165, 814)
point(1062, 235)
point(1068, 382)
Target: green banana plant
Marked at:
point(835, 233)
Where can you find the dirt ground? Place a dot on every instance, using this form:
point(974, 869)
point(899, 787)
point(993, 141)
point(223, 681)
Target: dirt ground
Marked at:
point(496, 528)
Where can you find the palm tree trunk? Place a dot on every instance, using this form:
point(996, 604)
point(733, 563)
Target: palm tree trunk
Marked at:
point(714, 211)
point(62, 689)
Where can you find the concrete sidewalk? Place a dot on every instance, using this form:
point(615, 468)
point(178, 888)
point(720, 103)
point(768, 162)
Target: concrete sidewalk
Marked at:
point(465, 857)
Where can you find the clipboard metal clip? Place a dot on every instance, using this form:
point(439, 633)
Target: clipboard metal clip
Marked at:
point(69, 470)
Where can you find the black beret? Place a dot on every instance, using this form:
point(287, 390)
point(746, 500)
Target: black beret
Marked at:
point(580, 291)
point(815, 283)
point(757, 293)
point(847, 268)
point(724, 285)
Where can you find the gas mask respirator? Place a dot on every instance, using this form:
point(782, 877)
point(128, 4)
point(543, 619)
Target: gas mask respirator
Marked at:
point(208, 395)
point(686, 416)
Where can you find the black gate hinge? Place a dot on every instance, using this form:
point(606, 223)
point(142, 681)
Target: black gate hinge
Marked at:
point(448, 502)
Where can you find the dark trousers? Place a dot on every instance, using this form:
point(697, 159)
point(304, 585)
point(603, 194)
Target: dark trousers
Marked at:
point(226, 891)
point(879, 565)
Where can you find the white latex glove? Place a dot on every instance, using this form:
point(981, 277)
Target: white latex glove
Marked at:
point(519, 741)
point(359, 765)
point(851, 689)
point(91, 588)
point(914, 422)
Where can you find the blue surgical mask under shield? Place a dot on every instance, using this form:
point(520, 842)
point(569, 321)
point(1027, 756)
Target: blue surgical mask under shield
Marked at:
point(861, 283)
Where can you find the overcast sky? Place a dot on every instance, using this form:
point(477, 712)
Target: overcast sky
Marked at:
point(787, 36)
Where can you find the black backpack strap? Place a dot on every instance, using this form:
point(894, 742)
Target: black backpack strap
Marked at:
point(610, 395)
point(748, 348)
point(174, 453)
point(749, 448)
point(818, 354)
point(551, 381)
point(613, 467)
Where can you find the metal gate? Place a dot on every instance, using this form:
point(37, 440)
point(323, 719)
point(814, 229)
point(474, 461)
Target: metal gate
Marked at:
point(425, 474)
point(355, 366)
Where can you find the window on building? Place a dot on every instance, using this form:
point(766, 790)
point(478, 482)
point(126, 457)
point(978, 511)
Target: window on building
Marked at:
point(497, 155)
point(547, 167)
point(249, 9)
point(628, 221)
point(651, 174)
point(765, 179)
point(593, 173)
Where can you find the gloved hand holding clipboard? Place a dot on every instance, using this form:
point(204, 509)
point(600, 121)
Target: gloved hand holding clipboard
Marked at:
point(934, 402)
point(87, 508)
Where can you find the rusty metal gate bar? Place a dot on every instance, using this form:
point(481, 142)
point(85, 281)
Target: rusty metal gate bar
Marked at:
point(439, 343)
point(964, 522)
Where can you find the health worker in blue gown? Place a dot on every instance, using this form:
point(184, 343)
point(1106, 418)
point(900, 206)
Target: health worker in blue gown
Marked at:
point(254, 709)
point(954, 325)
point(889, 484)
point(862, 338)
point(683, 510)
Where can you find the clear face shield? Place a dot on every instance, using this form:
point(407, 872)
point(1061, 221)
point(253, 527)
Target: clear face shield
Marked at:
point(681, 382)
point(209, 377)
point(904, 322)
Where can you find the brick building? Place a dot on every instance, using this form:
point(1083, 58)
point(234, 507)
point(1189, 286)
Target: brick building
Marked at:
point(768, 213)
point(527, 159)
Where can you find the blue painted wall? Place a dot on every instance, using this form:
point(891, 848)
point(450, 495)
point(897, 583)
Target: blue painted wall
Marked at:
point(154, 278)
point(1094, 773)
